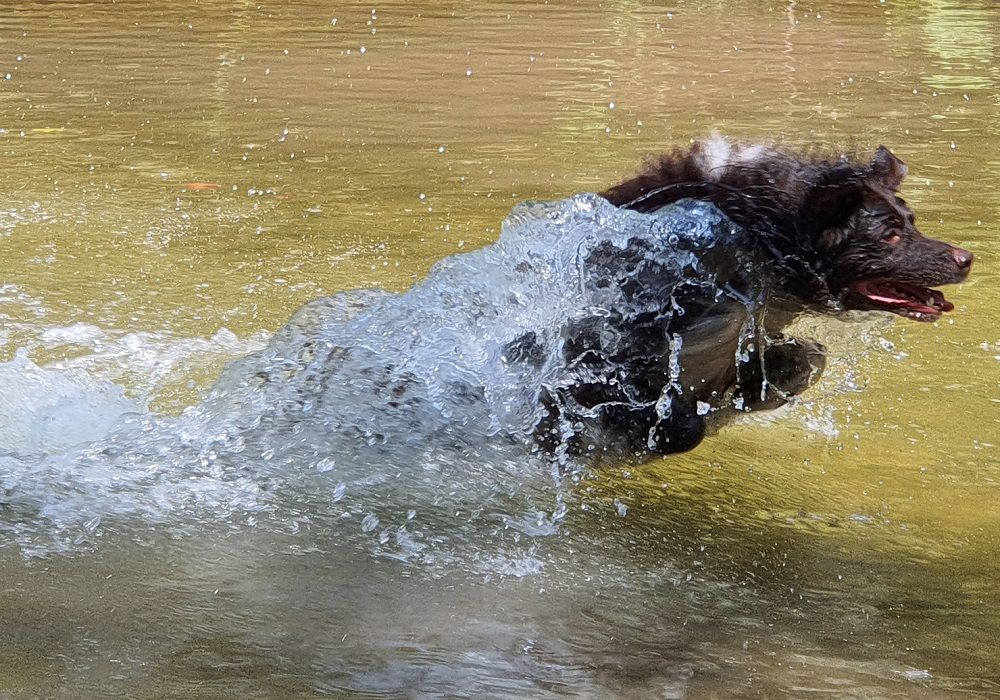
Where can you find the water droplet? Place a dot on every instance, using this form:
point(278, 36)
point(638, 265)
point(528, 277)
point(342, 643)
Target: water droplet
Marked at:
point(326, 464)
point(560, 512)
point(363, 49)
point(468, 72)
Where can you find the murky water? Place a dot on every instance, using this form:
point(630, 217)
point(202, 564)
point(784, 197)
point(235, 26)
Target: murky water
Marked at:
point(178, 180)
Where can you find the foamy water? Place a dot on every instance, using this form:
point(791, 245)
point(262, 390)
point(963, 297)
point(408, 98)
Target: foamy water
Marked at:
point(388, 432)
point(386, 413)
point(402, 419)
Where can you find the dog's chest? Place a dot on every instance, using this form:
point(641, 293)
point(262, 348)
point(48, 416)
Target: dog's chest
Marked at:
point(709, 345)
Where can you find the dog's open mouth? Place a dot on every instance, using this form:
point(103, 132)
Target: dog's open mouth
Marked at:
point(909, 300)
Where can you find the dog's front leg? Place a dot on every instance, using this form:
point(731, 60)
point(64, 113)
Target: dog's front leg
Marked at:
point(679, 428)
point(789, 366)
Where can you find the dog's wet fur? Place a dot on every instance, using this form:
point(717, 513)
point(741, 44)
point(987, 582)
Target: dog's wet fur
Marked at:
point(837, 227)
point(827, 234)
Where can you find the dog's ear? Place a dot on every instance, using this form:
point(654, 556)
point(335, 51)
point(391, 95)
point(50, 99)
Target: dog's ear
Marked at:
point(829, 203)
point(886, 169)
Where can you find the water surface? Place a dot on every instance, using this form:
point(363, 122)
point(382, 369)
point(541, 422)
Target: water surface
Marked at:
point(178, 180)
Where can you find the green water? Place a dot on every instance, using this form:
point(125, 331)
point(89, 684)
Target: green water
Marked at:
point(170, 170)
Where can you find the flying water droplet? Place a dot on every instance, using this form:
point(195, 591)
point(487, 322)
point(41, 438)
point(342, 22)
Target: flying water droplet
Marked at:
point(369, 522)
point(324, 465)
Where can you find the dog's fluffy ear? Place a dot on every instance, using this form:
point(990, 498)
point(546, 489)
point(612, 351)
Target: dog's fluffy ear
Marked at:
point(886, 169)
point(829, 203)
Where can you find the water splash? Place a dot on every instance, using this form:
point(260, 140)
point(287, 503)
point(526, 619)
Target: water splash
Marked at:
point(406, 420)
point(50, 412)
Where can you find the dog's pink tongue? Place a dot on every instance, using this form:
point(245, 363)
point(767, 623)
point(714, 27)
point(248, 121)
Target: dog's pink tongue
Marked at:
point(888, 299)
point(903, 298)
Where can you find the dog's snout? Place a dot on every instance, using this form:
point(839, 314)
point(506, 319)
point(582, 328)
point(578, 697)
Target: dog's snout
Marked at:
point(962, 258)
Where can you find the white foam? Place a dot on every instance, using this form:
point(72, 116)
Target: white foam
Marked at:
point(47, 411)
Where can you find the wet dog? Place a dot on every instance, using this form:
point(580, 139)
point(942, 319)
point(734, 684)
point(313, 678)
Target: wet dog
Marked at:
point(622, 324)
point(823, 235)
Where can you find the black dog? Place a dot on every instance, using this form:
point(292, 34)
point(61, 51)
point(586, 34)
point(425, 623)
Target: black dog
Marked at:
point(627, 324)
point(822, 235)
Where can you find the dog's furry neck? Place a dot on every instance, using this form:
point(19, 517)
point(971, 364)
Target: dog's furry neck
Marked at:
point(769, 192)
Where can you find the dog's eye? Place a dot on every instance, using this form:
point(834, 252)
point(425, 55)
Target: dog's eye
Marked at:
point(892, 238)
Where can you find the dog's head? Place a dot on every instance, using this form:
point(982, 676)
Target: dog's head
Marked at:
point(869, 250)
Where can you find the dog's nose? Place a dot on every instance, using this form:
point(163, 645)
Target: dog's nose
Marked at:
point(962, 258)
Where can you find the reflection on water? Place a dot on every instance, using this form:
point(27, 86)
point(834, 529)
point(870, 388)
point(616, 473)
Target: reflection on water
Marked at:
point(178, 179)
point(962, 39)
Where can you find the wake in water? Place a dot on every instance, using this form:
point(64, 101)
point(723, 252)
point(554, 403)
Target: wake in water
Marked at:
point(428, 421)
point(585, 329)
point(580, 314)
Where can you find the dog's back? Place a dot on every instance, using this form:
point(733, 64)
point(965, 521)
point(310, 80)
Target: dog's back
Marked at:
point(752, 183)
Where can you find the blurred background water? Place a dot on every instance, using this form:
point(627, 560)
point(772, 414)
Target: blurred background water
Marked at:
point(178, 179)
